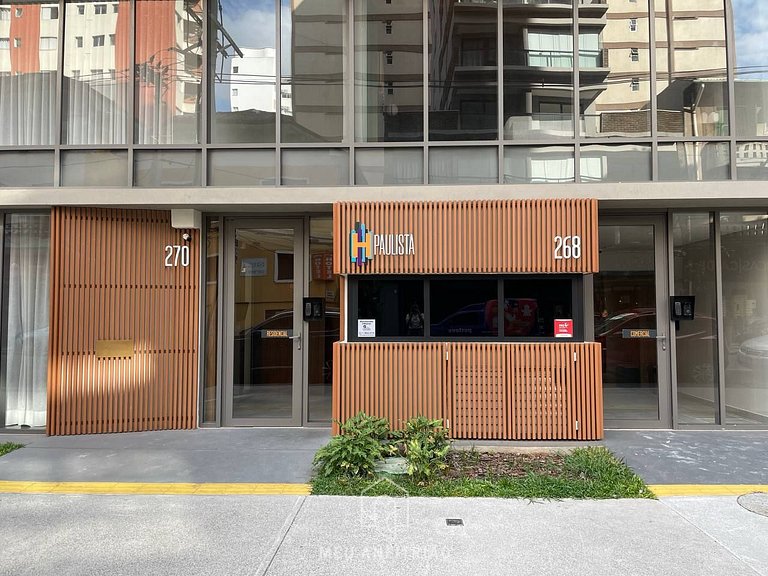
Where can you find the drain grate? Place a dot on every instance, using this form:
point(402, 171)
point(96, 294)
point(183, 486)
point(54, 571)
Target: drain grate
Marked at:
point(756, 502)
point(454, 522)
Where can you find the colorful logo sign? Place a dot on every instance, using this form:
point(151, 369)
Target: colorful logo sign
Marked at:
point(360, 244)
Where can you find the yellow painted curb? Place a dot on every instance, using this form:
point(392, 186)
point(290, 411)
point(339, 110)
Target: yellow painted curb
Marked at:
point(171, 488)
point(662, 490)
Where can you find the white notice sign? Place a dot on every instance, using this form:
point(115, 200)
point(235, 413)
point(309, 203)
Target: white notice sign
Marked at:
point(366, 328)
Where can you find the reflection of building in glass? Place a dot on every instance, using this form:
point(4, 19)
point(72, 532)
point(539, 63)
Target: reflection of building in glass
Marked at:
point(253, 77)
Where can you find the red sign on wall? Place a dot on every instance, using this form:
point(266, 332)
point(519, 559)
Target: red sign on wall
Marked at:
point(563, 328)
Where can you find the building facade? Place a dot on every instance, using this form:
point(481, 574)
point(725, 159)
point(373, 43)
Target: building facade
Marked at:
point(530, 218)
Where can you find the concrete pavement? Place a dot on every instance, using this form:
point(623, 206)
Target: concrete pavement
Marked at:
point(59, 535)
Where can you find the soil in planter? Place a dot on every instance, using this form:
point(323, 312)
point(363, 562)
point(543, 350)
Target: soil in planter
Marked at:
point(469, 464)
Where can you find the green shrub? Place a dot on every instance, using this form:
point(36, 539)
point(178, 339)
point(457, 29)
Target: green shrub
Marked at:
point(426, 447)
point(355, 451)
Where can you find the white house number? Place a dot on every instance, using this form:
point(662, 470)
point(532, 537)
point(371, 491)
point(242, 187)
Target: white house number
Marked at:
point(176, 255)
point(567, 247)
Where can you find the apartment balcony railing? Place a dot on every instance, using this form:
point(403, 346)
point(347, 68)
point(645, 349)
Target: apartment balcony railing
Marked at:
point(556, 58)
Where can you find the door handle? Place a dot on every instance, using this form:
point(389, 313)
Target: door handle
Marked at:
point(663, 339)
point(296, 337)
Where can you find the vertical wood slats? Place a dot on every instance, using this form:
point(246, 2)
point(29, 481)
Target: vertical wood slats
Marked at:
point(488, 391)
point(109, 282)
point(489, 236)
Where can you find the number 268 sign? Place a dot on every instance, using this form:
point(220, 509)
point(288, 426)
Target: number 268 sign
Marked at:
point(567, 247)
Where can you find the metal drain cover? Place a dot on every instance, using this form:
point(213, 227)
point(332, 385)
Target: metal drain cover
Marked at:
point(454, 522)
point(756, 502)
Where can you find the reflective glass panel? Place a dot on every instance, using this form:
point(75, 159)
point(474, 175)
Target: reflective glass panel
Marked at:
point(388, 71)
point(241, 167)
point(264, 323)
point(696, 340)
point(691, 91)
point(625, 322)
point(694, 161)
point(464, 308)
point(752, 160)
point(26, 168)
point(244, 74)
point(751, 74)
point(95, 168)
point(463, 67)
point(29, 57)
point(463, 165)
point(25, 348)
point(97, 75)
point(538, 164)
point(313, 50)
point(211, 366)
point(389, 166)
point(321, 334)
point(318, 167)
point(532, 305)
point(538, 70)
point(397, 305)
point(615, 69)
point(744, 252)
point(168, 71)
point(166, 168)
point(615, 163)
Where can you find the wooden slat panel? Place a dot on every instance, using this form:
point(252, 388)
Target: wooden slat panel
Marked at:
point(109, 282)
point(495, 391)
point(493, 236)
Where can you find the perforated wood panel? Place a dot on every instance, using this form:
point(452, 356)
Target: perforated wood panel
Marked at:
point(111, 291)
point(544, 391)
point(492, 236)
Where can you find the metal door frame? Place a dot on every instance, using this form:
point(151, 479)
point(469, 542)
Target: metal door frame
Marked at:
point(227, 342)
point(663, 341)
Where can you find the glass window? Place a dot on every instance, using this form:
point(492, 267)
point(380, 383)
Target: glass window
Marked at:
point(615, 84)
point(538, 71)
point(752, 160)
point(751, 88)
point(166, 168)
point(210, 364)
point(466, 308)
point(463, 69)
point(696, 340)
point(694, 161)
point(168, 71)
point(389, 166)
point(313, 49)
point(29, 81)
point(397, 306)
point(25, 345)
point(615, 163)
point(388, 72)
point(245, 71)
point(317, 167)
point(241, 168)
point(463, 165)
point(95, 108)
point(538, 164)
point(24, 169)
point(744, 252)
point(531, 306)
point(95, 168)
point(691, 69)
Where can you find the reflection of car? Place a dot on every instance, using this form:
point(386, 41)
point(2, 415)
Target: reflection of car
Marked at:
point(481, 319)
point(628, 361)
point(754, 352)
point(263, 354)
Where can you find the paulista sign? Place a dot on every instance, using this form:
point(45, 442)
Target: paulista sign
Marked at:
point(365, 244)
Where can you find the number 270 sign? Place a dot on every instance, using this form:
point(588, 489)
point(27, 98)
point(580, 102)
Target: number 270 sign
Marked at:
point(567, 247)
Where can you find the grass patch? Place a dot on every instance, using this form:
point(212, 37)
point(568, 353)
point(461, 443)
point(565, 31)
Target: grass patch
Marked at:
point(583, 473)
point(6, 447)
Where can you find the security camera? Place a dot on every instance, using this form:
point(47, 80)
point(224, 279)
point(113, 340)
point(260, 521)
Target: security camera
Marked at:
point(186, 237)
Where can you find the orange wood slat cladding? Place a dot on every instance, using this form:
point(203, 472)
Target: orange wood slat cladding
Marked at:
point(109, 282)
point(480, 236)
point(544, 391)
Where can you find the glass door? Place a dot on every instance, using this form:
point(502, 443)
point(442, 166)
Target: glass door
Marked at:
point(632, 321)
point(263, 335)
